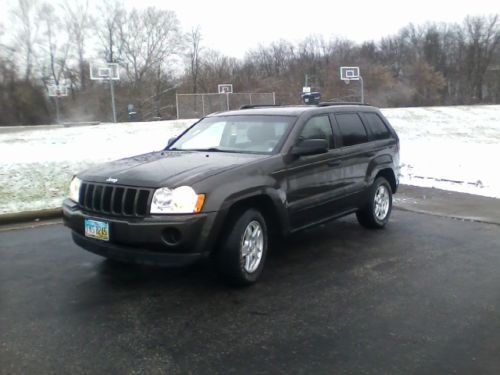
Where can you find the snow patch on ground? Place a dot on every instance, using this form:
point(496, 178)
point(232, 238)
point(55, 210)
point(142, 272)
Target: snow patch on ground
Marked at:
point(451, 148)
point(37, 165)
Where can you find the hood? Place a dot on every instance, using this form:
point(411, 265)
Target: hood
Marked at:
point(166, 168)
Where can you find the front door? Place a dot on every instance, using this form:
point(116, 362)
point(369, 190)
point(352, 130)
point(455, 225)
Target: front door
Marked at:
point(314, 183)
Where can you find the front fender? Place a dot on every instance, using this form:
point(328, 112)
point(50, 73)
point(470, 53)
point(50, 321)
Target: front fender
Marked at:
point(239, 189)
point(272, 198)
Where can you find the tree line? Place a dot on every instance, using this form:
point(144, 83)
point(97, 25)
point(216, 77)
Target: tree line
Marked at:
point(50, 43)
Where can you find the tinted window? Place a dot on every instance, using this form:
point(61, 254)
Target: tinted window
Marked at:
point(352, 129)
point(377, 126)
point(318, 128)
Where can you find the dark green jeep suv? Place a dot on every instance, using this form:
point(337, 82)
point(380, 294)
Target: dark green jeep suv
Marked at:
point(233, 180)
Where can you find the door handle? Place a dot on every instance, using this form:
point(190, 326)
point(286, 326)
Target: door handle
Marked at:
point(334, 163)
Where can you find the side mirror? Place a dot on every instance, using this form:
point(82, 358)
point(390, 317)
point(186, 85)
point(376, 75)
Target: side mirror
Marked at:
point(171, 140)
point(310, 147)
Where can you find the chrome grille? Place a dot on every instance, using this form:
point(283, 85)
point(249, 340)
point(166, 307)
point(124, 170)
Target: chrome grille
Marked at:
point(115, 200)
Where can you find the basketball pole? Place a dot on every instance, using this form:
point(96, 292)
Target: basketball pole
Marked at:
point(111, 87)
point(362, 90)
point(177, 105)
point(57, 109)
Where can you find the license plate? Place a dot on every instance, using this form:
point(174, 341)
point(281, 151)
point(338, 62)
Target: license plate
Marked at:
point(97, 229)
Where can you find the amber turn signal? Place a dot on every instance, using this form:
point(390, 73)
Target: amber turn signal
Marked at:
point(199, 203)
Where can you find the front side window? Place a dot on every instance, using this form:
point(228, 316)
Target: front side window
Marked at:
point(318, 128)
point(352, 129)
point(245, 134)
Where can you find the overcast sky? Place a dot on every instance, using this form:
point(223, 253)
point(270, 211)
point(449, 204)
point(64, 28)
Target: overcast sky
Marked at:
point(235, 26)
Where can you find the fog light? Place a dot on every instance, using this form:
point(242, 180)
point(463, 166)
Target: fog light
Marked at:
point(171, 236)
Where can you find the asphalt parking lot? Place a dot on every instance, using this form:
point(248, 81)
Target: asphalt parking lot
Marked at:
point(420, 297)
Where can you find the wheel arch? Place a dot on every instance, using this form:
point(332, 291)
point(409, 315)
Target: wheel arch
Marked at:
point(382, 166)
point(276, 219)
point(389, 175)
point(265, 205)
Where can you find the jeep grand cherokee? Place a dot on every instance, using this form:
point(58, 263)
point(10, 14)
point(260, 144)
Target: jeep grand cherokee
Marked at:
point(229, 182)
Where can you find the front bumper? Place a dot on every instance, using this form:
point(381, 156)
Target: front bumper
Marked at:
point(166, 240)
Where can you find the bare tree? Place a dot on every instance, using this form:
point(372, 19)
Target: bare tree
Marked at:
point(149, 38)
point(216, 68)
point(54, 45)
point(482, 35)
point(108, 29)
point(193, 55)
point(78, 22)
point(26, 33)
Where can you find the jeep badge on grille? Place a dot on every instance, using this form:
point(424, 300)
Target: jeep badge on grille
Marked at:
point(111, 179)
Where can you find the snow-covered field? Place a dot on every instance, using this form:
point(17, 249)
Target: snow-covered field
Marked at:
point(453, 148)
point(450, 148)
point(37, 165)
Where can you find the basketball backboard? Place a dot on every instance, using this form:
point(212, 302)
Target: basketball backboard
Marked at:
point(104, 71)
point(225, 88)
point(58, 90)
point(349, 73)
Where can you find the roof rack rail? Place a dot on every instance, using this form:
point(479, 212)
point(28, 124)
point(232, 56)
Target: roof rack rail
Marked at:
point(327, 104)
point(250, 106)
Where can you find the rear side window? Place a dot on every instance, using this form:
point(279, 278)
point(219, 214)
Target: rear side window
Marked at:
point(377, 126)
point(352, 129)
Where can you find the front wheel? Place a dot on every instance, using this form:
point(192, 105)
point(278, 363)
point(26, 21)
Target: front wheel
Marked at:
point(240, 259)
point(376, 213)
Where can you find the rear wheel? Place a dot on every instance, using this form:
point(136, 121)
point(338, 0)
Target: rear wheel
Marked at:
point(242, 254)
point(376, 213)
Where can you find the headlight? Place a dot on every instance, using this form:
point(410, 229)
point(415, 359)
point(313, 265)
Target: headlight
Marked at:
point(182, 200)
point(74, 189)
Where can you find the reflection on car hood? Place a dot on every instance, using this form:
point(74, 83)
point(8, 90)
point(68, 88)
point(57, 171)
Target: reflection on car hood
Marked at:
point(166, 168)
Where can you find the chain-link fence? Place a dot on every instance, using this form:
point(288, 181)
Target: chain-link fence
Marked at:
point(199, 105)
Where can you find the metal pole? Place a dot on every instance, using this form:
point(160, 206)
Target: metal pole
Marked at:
point(177, 104)
point(250, 97)
point(111, 86)
point(306, 81)
point(274, 98)
point(203, 104)
point(227, 100)
point(57, 109)
point(362, 90)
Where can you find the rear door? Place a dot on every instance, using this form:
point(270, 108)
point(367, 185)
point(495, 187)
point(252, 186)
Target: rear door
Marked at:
point(356, 152)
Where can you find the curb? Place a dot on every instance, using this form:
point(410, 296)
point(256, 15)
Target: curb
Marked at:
point(27, 216)
point(449, 216)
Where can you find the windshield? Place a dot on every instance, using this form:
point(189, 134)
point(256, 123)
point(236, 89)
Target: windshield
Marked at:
point(244, 134)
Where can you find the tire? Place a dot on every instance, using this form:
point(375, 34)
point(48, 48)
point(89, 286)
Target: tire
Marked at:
point(375, 215)
point(249, 234)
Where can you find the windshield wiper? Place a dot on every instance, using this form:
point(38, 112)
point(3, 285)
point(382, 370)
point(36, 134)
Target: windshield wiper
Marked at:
point(210, 149)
